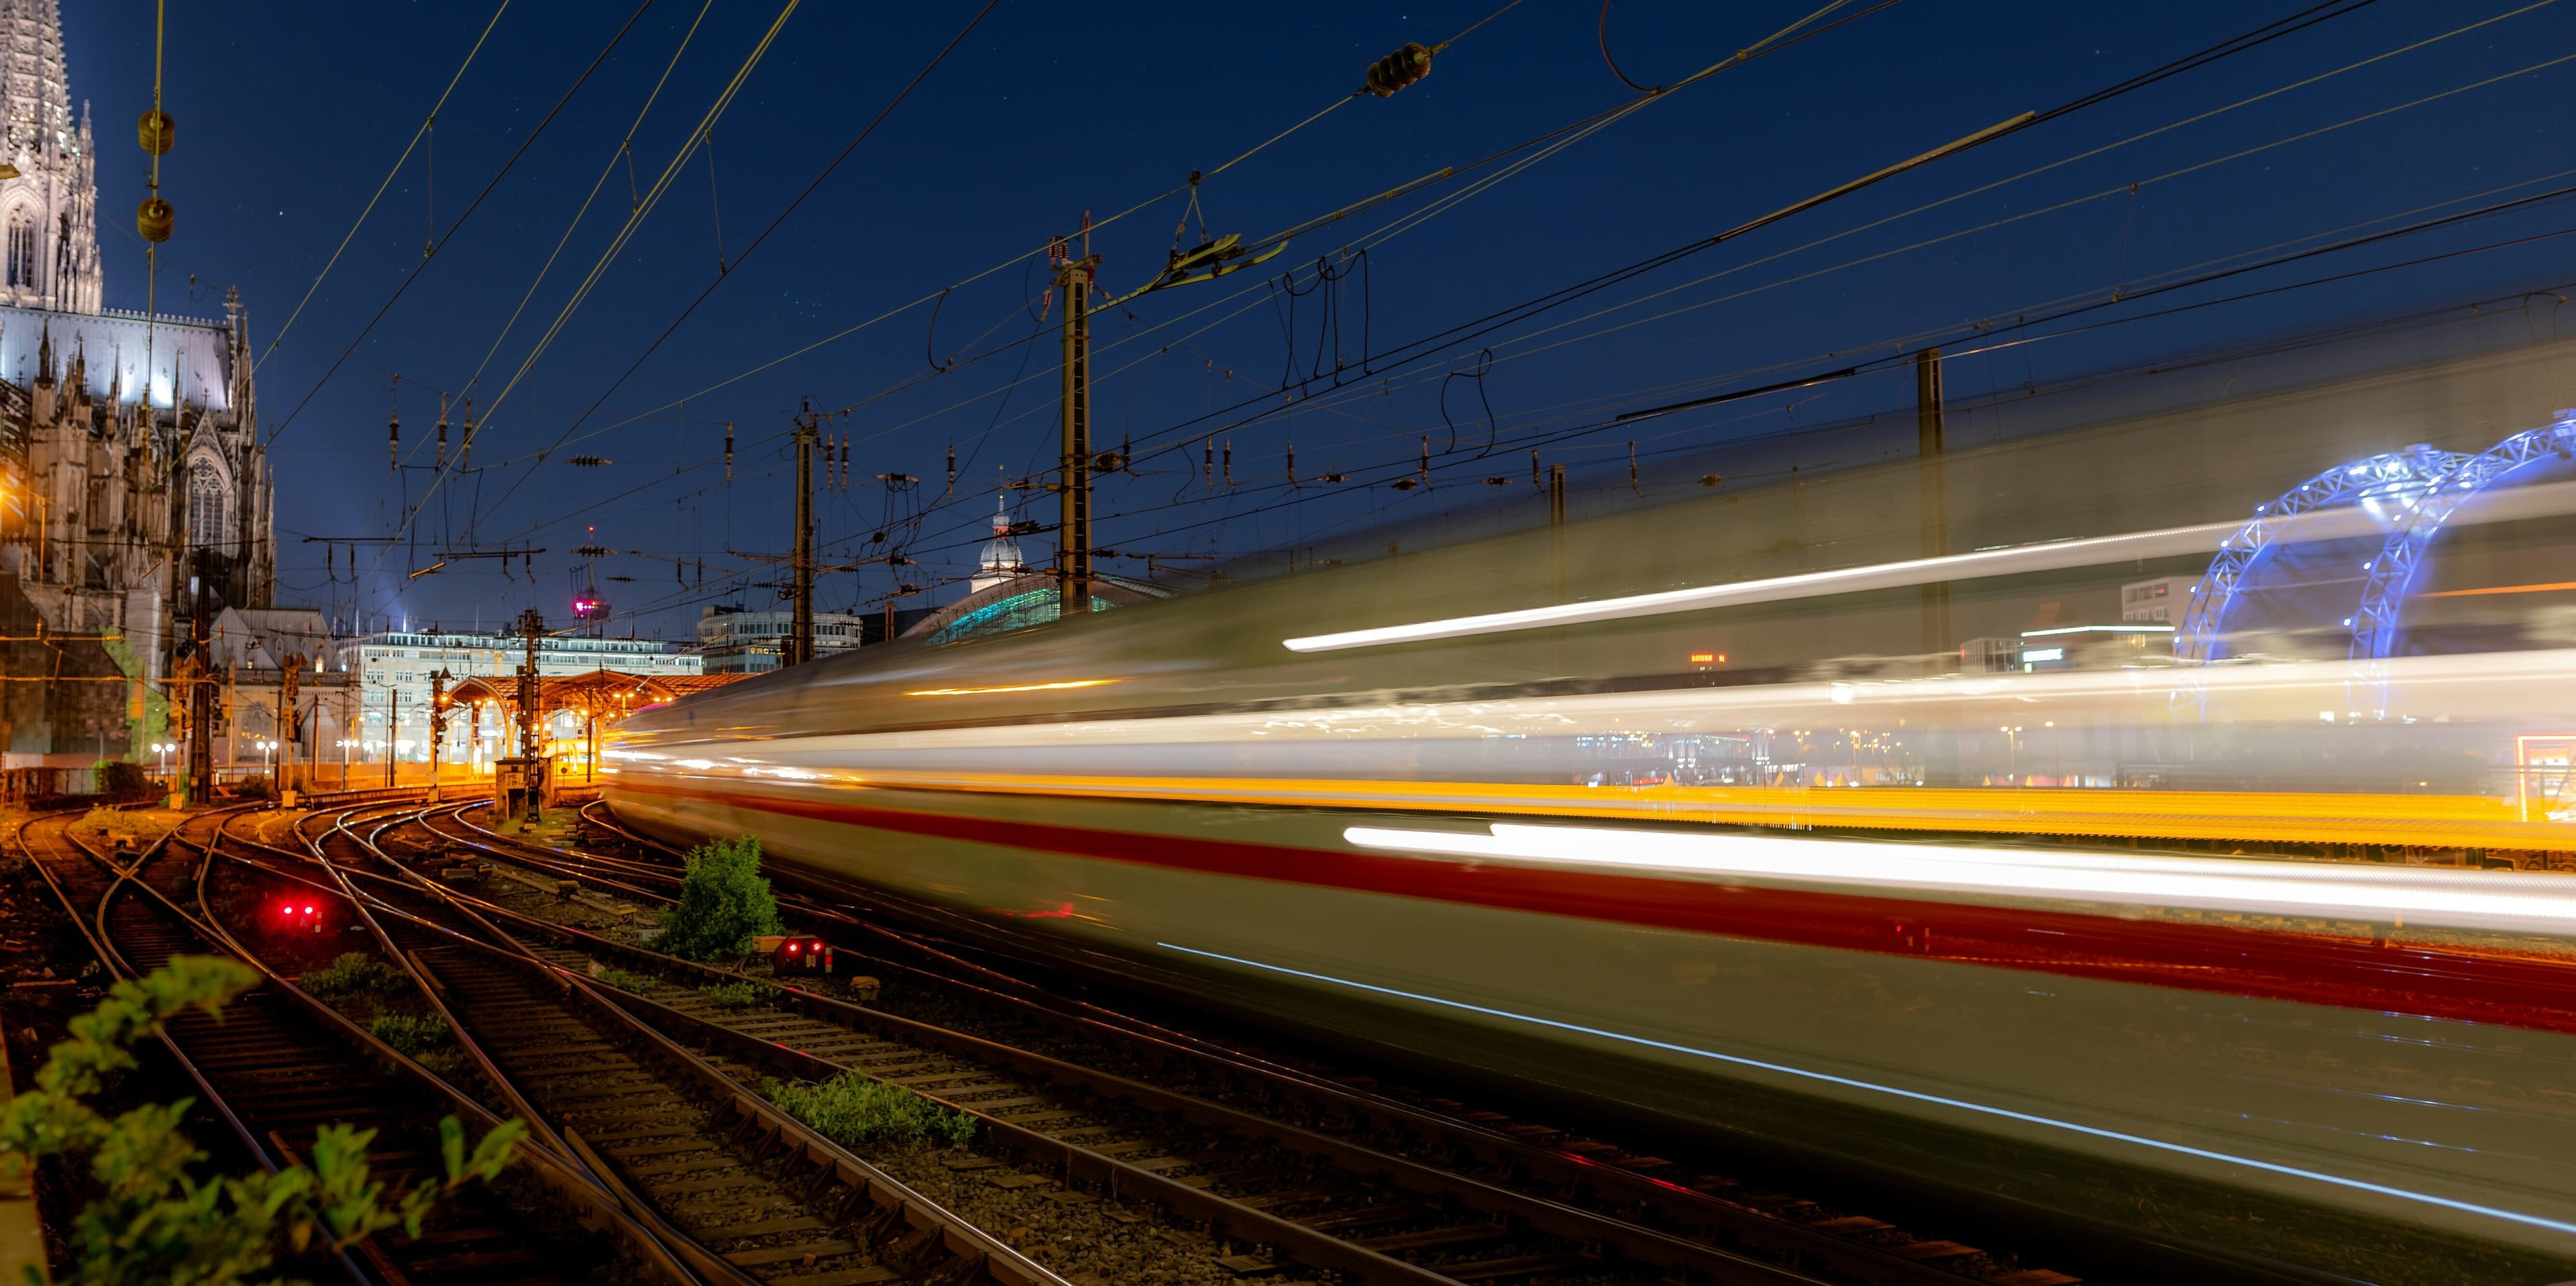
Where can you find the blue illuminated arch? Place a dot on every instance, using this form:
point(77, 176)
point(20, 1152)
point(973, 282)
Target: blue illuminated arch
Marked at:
point(2396, 474)
point(2392, 574)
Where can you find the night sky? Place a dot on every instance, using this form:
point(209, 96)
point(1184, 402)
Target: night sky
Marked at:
point(289, 116)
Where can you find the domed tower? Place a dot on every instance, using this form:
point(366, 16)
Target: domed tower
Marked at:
point(49, 208)
point(1000, 559)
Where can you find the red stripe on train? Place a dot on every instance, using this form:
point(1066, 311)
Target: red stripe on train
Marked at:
point(2517, 990)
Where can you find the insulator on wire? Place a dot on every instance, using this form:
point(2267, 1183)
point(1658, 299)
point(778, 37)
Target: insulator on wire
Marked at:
point(156, 132)
point(1399, 69)
point(1210, 462)
point(393, 442)
point(153, 219)
point(1229, 462)
point(728, 450)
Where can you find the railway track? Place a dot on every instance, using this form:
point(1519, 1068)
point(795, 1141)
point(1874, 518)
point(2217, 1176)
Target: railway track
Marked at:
point(744, 1192)
point(1334, 1176)
point(275, 1068)
point(649, 1099)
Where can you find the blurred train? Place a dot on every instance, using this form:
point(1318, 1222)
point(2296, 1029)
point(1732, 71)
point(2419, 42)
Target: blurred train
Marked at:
point(2270, 962)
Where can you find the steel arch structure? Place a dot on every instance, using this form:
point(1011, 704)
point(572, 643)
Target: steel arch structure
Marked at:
point(2392, 574)
point(2412, 470)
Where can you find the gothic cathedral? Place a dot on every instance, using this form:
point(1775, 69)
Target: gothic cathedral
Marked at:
point(130, 459)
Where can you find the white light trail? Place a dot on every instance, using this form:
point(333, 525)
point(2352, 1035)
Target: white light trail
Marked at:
point(2205, 538)
point(2500, 900)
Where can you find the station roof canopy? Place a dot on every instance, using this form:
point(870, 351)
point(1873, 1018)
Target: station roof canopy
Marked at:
point(607, 693)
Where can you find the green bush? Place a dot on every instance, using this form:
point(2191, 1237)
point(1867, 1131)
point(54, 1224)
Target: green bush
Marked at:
point(159, 1218)
point(724, 903)
point(251, 788)
point(625, 981)
point(851, 1108)
point(410, 1035)
point(731, 995)
point(353, 972)
point(118, 779)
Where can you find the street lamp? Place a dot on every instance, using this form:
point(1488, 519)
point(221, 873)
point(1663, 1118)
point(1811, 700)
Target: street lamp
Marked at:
point(163, 749)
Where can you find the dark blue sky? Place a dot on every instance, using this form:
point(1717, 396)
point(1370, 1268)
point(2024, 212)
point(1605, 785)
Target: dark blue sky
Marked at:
point(289, 116)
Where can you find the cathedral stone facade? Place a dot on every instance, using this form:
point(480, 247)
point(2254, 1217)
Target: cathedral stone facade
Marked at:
point(130, 458)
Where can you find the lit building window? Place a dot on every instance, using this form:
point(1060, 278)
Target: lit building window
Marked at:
point(22, 251)
point(205, 505)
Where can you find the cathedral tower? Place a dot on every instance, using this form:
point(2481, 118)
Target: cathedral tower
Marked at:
point(130, 455)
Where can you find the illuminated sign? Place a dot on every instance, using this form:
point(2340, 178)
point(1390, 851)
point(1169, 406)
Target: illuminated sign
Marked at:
point(1703, 658)
point(2043, 654)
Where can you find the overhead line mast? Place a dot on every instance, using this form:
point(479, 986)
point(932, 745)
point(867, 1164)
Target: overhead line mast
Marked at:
point(1073, 539)
point(800, 642)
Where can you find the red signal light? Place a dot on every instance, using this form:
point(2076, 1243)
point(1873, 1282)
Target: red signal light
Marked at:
point(791, 946)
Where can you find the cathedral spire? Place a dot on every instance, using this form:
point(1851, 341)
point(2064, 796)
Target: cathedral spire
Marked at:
point(49, 242)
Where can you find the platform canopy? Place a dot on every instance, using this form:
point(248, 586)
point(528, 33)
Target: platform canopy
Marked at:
point(607, 694)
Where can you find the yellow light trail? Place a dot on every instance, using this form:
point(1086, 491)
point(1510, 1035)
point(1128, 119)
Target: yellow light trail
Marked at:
point(1016, 687)
point(2438, 821)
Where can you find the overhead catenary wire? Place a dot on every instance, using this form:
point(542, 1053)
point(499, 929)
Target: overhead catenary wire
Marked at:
point(1421, 348)
point(1901, 342)
point(2294, 22)
point(1526, 338)
point(773, 225)
point(624, 151)
point(2312, 11)
point(635, 219)
point(1551, 141)
point(1096, 225)
point(452, 228)
point(369, 208)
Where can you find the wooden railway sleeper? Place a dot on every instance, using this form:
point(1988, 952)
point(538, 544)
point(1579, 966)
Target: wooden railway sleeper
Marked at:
point(1000, 1262)
point(1225, 1217)
point(542, 1133)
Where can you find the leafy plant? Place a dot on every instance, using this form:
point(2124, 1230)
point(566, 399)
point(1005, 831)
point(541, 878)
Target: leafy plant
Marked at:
point(156, 1221)
point(731, 995)
point(410, 1035)
point(119, 779)
point(354, 971)
point(625, 981)
point(724, 903)
point(852, 1108)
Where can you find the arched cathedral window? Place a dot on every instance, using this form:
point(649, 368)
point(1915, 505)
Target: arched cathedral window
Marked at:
point(205, 505)
point(22, 251)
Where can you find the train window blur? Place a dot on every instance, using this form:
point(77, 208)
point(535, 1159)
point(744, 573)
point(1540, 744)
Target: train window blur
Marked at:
point(2190, 805)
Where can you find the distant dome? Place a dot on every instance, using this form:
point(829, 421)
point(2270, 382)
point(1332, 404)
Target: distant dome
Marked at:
point(1000, 559)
